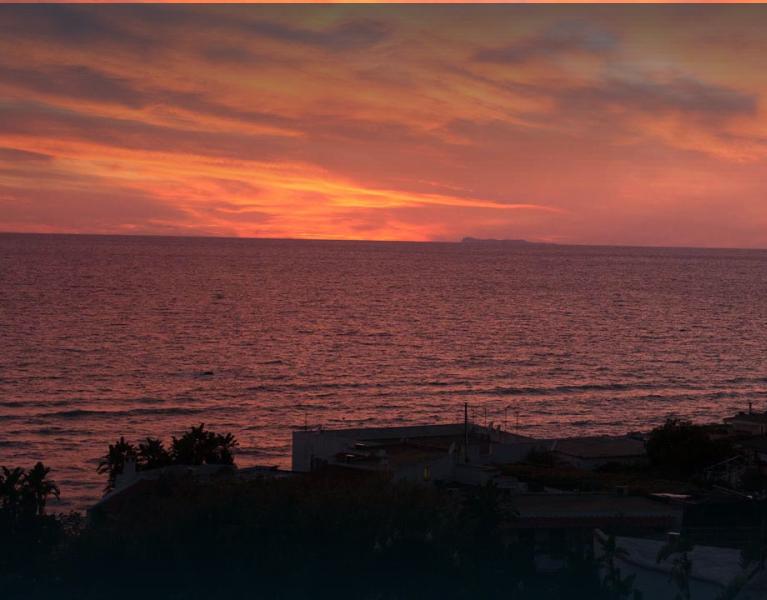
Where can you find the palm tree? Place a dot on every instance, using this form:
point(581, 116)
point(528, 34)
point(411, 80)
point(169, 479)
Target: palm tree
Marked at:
point(198, 446)
point(681, 566)
point(190, 448)
point(113, 462)
point(616, 586)
point(222, 452)
point(152, 454)
point(11, 488)
point(681, 571)
point(38, 487)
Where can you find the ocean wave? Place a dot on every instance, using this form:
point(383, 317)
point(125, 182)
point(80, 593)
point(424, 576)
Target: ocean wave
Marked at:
point(36, 403)
point(14, 444)
point(84, 413)
point(477, 388)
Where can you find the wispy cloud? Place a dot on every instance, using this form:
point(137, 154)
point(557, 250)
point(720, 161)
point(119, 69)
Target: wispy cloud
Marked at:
point(659, 94)
point(563, 38)
point(73, 81)
point(14, 155)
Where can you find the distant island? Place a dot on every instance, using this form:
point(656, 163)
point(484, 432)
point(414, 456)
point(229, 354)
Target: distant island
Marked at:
point(472, 240)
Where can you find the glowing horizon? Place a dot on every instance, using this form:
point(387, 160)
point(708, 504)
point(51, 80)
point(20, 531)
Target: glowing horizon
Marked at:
point(623, 125)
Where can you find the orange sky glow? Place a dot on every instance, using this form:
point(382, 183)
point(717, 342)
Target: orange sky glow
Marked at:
point(576, 124)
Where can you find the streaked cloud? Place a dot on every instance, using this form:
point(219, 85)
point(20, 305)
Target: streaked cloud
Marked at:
point(349, 35)
point(72, 81)
point(564, 38)
point(12, 155)
point(656, 95)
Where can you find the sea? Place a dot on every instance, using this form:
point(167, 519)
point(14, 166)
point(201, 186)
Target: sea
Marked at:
point(109, 336)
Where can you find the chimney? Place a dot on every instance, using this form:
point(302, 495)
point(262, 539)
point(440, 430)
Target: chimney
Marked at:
point(127, 475)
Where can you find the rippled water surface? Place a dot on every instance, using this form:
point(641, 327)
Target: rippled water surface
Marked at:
point(109, 336)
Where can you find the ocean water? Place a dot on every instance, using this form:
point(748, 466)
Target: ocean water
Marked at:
point(109, 336)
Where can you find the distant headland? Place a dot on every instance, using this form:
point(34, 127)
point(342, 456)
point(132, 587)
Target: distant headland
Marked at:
point(503, 242)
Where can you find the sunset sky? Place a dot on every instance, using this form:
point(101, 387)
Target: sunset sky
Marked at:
point(575, 124)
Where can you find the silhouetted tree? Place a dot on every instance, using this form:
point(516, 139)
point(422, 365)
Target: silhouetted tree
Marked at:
point(484, 516)
point(198, 446)
point(11, 489)
point(27, 534)
point(113, 462)
point(681, 566)
point(682, 448)
point(152, 454)
point(38, 487)
point(614, 584)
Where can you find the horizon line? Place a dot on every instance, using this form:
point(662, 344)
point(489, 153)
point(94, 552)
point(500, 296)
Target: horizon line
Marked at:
point(367, 241)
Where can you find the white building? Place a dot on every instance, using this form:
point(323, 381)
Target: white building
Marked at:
point(748, 423)
point(415, 453)
point(713, 569)
point(595, 451)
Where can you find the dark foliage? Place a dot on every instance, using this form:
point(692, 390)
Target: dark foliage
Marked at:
point(23, 493)
point(27, 534)
point(199, 446)
point(195, 447)
point(114, 461)
point(681, 448)
point(616, 585)
point(152, 454)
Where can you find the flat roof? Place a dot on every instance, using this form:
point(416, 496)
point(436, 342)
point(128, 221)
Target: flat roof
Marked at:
point(600, 447)
point(395, 454)
point(380, 434)
point(748, 417)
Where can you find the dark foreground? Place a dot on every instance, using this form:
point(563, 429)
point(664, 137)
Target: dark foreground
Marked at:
point(194, 526)
point(310, 537)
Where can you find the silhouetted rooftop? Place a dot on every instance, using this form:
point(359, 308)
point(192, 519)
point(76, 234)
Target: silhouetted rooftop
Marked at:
point(600, 447)
point(748, 417)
